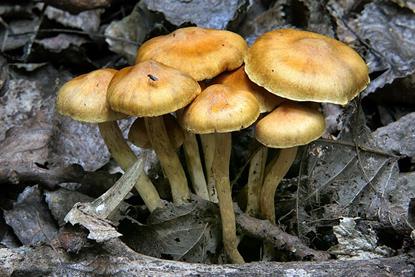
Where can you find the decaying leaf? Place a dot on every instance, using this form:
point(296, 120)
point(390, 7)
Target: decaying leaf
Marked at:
point(397, 137)
point(88, 21)
point(30, 218)
point(93, 215)
point(61, 201)
point(348, 177)
point(389, 31)
point(209, 14)
point(355, 244)
point(190, 232)
point(125, 35)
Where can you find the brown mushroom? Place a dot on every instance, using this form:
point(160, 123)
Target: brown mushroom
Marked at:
point(219, 110)
point(84, 98)
point(150, 89)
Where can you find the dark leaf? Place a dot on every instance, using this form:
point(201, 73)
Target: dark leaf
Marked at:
point(389, 31)
point(209, 14)
point(61, 201)
point(30, 218)
point(190, 232)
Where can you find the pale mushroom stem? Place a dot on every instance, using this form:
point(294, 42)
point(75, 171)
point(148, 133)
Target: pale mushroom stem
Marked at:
point(278, 168)
point(208, 145)
point(104, 205)
point(194, 165)
point(255, 180)
point(220, 170)
point(168, 159)
point(125, 157)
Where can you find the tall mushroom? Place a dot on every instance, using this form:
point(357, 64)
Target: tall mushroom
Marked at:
point(150, 89)
point(84, 98)
point(267, 102)
point(220, 109)
point(203, 54)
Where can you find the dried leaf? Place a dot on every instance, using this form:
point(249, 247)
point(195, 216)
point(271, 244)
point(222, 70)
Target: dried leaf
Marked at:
point(390, 32)
point(61, 201)
point(17, 34)
point(397, 137)
point(87, 21)
point(189, 232)
point(208, 14)
point(355, 244)
point(61, 42)
point(30, 218)
point(348, 177)
point(125, 35)
point(92, 215)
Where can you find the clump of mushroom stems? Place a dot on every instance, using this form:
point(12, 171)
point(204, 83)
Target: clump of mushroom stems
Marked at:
point(168, 159)
point(125, 157)
point(194, 165)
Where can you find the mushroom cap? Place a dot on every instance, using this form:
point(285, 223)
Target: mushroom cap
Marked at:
point(306, 66)
point(239, 80)
point(220, 109)
point(290, 124)
point(139, 137)
point(202, 53)
point(84, 98)
point(151, 89)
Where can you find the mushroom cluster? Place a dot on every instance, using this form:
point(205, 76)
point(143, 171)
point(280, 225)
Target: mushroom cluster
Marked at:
point(195, 87)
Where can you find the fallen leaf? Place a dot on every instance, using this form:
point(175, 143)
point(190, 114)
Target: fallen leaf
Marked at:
point(30, 218)
point(355, 244)
point(190, 232)
point(208, 14)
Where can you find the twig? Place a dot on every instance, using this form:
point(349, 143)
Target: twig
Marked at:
point(265, 230)
point(364, 148)
point(69, 31)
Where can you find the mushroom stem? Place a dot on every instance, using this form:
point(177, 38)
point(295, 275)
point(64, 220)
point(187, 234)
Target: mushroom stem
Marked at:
point(255, 180)
point(220, 170)
point(194, 165)
point(168, 159)
point(208, 145)
point(277, 169)
point(125, 157)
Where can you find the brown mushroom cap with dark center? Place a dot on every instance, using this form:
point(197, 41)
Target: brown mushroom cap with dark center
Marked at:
point(84, 98)
point(151, 89)
point(239, 80)
point(306, 66)
point(202, 53)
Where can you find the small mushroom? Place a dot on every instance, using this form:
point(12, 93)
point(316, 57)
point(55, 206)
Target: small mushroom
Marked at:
point(291, 124)
point(84, 98)
point(219, 110)
point(133, 92)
